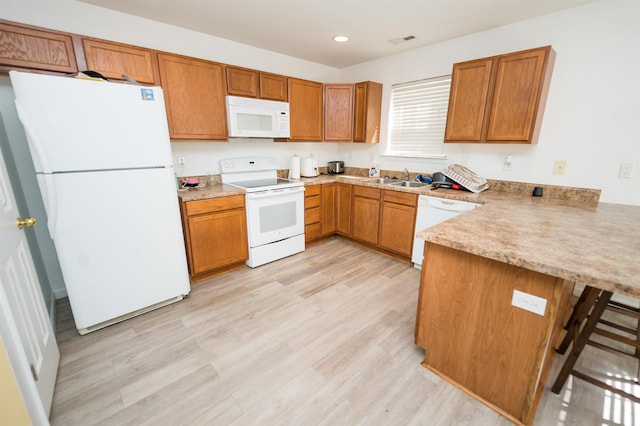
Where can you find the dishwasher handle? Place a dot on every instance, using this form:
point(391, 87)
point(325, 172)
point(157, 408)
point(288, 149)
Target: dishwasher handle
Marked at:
point(449, 205)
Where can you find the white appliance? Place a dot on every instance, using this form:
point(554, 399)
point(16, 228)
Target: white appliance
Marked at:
point(257, 118)
point(274, 206)
point(103, 161)
point(308, 167)
point(432, 211)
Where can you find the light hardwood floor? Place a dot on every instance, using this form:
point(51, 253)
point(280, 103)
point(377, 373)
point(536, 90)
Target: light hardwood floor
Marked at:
point(324, 337)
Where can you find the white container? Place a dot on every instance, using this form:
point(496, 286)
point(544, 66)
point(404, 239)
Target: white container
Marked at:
point(294, 169)
point(308, 167)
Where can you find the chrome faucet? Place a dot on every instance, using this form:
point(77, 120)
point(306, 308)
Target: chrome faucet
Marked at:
point(406, 174)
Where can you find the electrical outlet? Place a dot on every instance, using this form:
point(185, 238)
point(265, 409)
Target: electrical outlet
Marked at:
point(508, 162)
point(181, 161)
point(559, 167)
point(626, 171)
point(529, 302)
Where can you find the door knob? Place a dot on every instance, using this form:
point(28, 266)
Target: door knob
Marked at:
point(28, 222)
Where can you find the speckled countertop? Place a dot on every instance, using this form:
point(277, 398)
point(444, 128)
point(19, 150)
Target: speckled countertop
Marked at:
point(596, 244)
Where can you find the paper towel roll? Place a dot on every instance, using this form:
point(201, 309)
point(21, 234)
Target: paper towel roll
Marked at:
point(294, 169)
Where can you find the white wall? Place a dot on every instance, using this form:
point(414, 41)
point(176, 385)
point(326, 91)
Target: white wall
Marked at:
point(593, 104)
point(593, 109)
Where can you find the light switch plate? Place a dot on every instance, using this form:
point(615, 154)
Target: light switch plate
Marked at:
point(529, 302)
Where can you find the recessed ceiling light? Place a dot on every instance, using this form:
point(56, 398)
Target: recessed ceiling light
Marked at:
point(341, 38)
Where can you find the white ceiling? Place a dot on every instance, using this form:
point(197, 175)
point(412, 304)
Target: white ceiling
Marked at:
point(304, 28)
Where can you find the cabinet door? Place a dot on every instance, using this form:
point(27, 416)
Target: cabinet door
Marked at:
point(470, 84)
point(29, 47)
point(343, 209)
point(194, 97)
point(273, 87)
point(397, 224)
point(338, 112)
point(305, 110)
point(328, 208)
point(367, 110)
point(217, 239)
point(242, 82)
point(113, 60)
point(516, 98)
point(365, 214)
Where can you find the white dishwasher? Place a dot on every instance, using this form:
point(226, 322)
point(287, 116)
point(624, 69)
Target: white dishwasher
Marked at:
point(432, 211)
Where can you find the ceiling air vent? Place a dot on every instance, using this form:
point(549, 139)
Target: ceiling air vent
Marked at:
point(402, 39)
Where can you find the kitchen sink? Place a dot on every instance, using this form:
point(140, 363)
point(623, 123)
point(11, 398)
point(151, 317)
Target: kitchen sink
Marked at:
point(408, 183)
point(381, 180)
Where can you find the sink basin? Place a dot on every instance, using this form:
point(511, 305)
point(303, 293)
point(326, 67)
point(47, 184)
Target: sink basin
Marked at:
point(408, 183)
point(381, 180)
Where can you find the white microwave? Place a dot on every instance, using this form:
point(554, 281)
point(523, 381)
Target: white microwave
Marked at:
point(257, 118)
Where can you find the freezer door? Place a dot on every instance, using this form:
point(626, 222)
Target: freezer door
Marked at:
point(74, 124)
point(119, 239)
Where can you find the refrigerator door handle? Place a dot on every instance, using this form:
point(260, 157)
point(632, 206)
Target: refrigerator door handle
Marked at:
point(47, 187)
point(33, 140)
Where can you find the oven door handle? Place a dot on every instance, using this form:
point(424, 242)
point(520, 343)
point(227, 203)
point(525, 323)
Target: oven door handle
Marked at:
point(275, 192)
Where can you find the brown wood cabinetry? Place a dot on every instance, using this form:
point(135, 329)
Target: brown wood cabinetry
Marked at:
point(194, 92)
point(273, 87)
point(305, 109)
point(312, 213)
point(215, 235)
point(367, 110)
point(328, 208)
point(23, 46)
point(365, 214)
point(343, 209)
point(112, 60)
point(338, 112)
point(476, 339)
point(499, 99)
point(397, 221)
point(256, 84)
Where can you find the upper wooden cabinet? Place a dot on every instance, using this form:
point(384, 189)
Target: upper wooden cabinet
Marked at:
point(112, 60)
point(256, 84)
point(273, 87)
point(34, 48)
point(194, 92)
point(338, 112)
point(499, 99)
point(367, 110)
point(305, 109)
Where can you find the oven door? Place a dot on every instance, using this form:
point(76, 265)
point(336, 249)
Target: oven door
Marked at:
point(275, 215)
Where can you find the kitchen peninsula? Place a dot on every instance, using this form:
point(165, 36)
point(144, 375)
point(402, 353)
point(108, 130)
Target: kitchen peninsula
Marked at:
point(479, 264)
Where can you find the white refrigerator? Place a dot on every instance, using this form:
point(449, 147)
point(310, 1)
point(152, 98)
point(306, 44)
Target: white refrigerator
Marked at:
point(102, 156)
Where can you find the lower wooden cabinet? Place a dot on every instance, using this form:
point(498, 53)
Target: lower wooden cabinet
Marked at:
point(319, 211)
point(397, 221)
point(343, 209)
point(365, 214)
point(312, 224)
point(215, 235)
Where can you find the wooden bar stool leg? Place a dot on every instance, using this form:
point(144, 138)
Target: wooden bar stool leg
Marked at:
point(580, 312)
point(581, 342)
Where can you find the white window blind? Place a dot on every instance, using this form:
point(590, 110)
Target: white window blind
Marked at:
point(418, 117)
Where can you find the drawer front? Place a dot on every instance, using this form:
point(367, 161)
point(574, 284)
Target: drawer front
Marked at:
point(312, 215)
point(400, 198)
point(313, 231)
point(364, 191)
point(311, 202)
point(214, 204)
point(312, 190)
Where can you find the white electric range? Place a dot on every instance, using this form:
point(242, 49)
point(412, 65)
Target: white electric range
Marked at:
point(274, 206)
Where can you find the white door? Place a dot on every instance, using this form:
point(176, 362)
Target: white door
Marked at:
point(24, 324)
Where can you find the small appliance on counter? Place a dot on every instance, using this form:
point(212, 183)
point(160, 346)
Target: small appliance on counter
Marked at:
point(308, 167)
point(335, 167)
